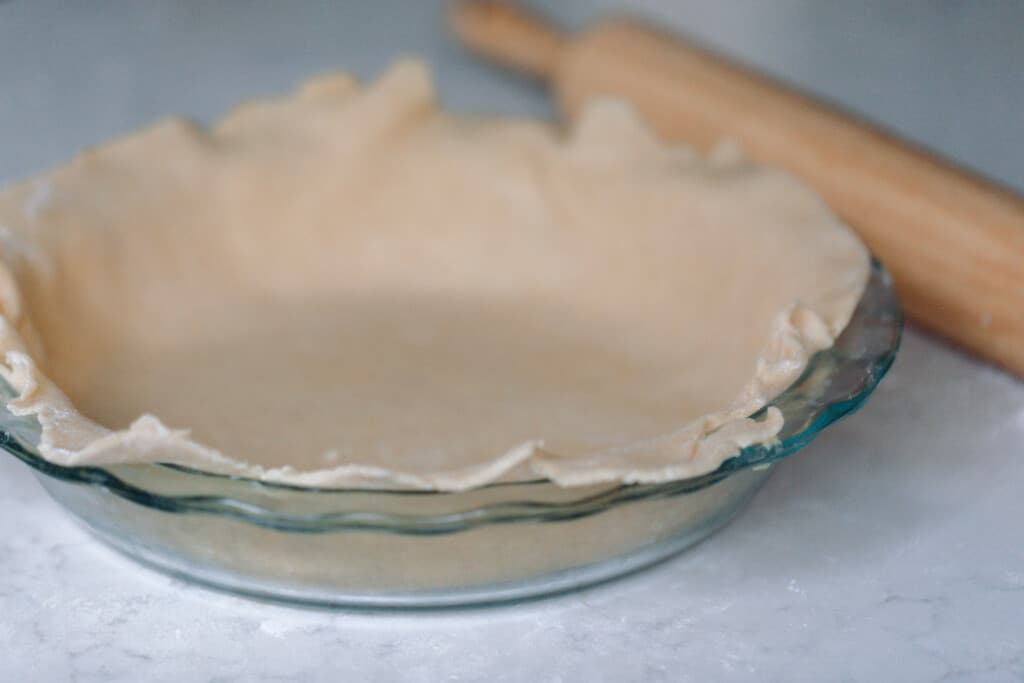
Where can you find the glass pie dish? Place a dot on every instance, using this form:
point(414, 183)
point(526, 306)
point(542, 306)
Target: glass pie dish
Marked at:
point(500, 542)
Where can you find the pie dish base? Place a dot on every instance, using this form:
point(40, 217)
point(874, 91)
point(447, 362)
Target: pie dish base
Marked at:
point(356, 569)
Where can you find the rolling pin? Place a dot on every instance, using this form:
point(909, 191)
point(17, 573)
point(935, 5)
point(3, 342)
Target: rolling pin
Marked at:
point(953, 241)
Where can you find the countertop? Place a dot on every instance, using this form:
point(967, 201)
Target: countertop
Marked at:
point(891, 549)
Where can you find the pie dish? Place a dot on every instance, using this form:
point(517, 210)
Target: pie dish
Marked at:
point(411, 549)
point(339, 347)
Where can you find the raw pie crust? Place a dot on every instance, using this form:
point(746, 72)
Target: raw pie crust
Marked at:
point(351, 288)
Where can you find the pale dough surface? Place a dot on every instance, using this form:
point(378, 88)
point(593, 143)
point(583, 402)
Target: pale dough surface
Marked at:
point(350, 287)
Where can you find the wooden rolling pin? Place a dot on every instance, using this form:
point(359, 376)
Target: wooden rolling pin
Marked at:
point(953, 241)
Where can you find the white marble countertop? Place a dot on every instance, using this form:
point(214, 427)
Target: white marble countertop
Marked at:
point(891, 549)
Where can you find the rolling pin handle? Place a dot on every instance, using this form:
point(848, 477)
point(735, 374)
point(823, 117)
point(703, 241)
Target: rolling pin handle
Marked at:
point(509, 35)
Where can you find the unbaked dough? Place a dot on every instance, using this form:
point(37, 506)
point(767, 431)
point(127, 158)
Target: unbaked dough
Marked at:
point(350, 287)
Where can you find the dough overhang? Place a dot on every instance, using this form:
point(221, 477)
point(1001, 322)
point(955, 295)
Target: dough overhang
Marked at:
point(350, 287)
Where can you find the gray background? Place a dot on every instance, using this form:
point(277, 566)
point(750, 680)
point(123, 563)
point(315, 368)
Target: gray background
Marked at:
point(892, 549)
